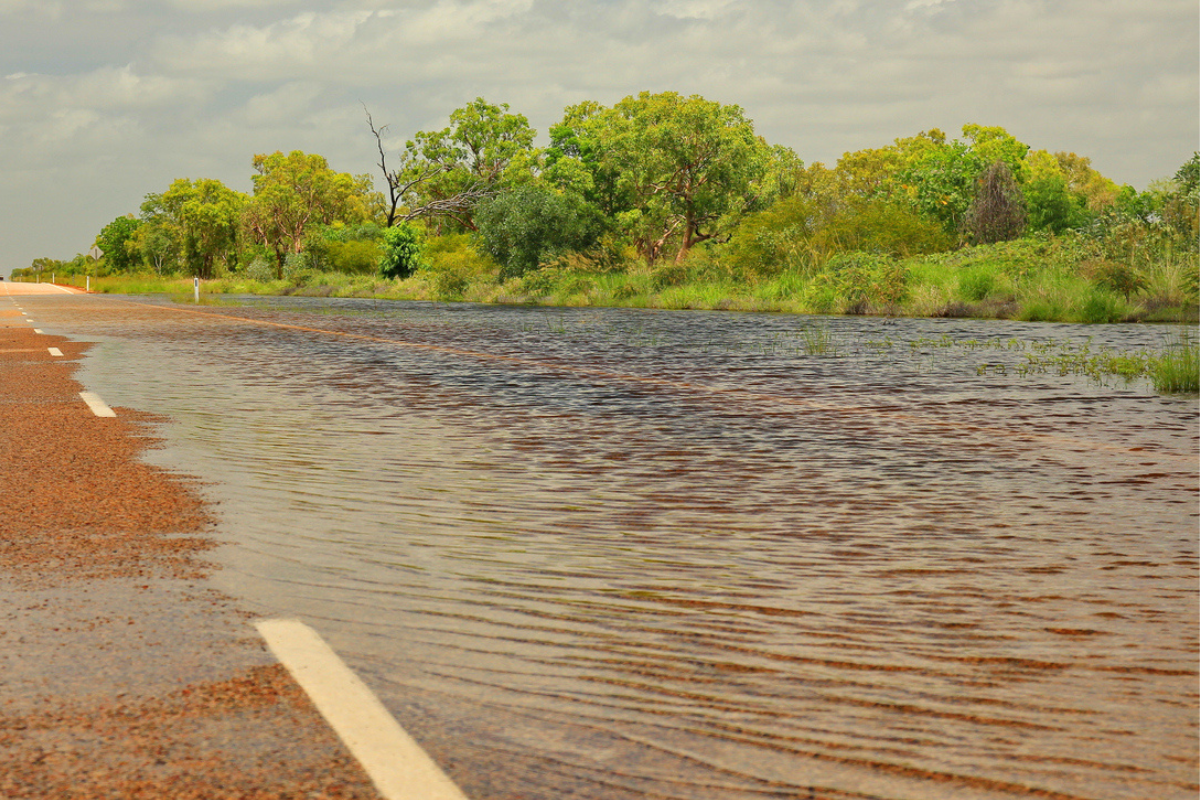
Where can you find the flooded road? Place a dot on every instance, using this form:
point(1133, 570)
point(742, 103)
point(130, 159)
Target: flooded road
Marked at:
point(617, 554)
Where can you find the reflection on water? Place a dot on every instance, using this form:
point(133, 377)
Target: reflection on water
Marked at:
point(614, 554)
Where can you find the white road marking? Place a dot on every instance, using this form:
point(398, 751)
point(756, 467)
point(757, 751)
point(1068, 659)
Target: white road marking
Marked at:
point(396, 764)
point(54, 351)
point(98, 406)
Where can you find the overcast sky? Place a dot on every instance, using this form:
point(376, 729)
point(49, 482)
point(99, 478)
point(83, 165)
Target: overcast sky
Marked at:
point(104, 101)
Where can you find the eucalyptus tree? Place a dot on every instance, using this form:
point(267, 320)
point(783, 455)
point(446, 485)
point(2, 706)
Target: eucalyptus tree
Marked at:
point(201, 217)
point(672, 171)
point(296, 191)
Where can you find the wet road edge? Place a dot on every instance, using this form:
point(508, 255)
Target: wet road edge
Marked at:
point(121, 672)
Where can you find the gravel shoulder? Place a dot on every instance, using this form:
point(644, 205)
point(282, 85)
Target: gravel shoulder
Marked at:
point(122, 674)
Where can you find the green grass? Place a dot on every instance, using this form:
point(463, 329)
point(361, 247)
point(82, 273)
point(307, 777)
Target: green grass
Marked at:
point(1051, 279)
point(1177, 369)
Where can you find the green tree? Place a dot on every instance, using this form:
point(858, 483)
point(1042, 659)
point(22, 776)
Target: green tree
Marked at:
point(575, 160)
point(941, 184)
point(992, 143)
point(674, 171)
point(1098, 192)
point(156, 245)
point(532, 224)
point(295, 191)
point(201, 217)
point(117, 240)
point(1181, 204)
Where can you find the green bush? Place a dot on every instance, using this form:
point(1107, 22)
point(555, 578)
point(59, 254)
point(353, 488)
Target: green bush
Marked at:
point(401, 251)
point(1114, 275)
point(449, 284)
point(260, 269)
point(354, 257)
point(861, 280)
point(533, 224)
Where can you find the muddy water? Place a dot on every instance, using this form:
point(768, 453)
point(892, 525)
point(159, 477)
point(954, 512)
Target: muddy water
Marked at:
point(617, 554)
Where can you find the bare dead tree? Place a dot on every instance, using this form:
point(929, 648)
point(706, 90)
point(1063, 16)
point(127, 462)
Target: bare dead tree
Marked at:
point(997, 213)
point(457, 206)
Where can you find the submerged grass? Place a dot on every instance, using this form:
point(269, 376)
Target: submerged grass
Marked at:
point(1177, 369)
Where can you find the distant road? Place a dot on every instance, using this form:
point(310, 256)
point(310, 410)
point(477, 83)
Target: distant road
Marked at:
point(14, 289)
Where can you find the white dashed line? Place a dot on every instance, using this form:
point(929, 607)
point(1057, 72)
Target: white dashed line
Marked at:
point(397, 765)
point(98, 406)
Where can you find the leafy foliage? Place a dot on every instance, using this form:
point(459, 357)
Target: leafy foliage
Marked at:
point(401, 251)
point(202, 217)
point(669, 170)
point(117, 240)
point(445, 174)
point(296, 191)
point(532, 224)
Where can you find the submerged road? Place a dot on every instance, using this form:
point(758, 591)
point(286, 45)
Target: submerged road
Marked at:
point(615, 555)
point(121, 673)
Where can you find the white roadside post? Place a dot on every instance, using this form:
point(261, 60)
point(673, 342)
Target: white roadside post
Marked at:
point(196, 287)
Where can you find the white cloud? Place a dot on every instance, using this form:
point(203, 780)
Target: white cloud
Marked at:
point(248, 51)
point(697, 9)
point(932, 6)
point(30, 96)
point(48, 8)
point(220, 5)
point(292, 101)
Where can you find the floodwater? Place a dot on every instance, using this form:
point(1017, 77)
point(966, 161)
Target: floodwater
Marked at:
point(619, 554)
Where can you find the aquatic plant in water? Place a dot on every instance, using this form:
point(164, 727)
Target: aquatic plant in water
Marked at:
point(1177, 369)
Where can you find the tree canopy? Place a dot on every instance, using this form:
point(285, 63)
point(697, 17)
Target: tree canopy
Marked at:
point(295, 191)
point(641, 185)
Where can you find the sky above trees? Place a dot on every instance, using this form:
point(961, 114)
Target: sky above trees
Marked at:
point(104, 100)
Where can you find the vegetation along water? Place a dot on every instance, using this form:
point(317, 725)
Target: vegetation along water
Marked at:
point(668, 201)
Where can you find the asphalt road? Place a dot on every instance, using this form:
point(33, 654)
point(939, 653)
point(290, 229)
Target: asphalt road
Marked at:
point(122, 674)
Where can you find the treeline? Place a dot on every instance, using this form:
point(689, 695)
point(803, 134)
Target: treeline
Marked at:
point(668, 190)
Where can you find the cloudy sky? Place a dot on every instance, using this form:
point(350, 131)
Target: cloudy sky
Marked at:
point(104, 101)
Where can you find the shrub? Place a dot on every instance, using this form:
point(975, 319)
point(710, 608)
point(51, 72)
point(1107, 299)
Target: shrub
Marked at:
point(260, 269)
point(401, 255)
point(539, 282)
point(1114, 275)
point(449, 285)
point(354, 257)
point(533, 224)
point(997, 214)
point(859, 280)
